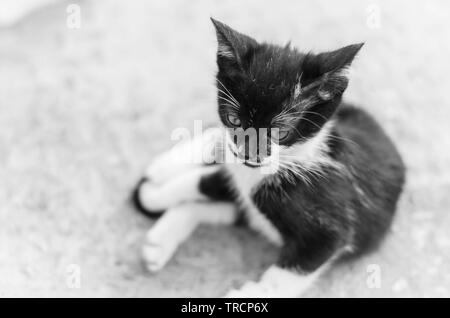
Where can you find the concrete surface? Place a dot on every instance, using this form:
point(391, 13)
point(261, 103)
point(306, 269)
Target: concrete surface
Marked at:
point(82, 111)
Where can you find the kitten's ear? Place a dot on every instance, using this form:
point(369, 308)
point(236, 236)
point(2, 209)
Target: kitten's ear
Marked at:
point(323, 81)
point(329, 67)
point(233, 47)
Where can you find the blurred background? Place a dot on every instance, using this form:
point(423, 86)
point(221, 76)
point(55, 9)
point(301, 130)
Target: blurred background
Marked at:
point(90, 91)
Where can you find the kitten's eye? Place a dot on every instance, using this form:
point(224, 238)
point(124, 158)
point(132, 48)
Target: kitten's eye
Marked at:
point(232, 119)
point(280, 134)
point(283, 134)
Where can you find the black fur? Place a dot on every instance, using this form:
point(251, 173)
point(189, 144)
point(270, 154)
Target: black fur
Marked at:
point(349, 208)
point(346, 209)
point(217, 186)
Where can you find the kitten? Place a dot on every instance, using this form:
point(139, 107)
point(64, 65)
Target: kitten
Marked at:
point(336, 179)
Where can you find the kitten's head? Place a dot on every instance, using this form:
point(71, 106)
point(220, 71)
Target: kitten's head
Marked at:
point(268, 86)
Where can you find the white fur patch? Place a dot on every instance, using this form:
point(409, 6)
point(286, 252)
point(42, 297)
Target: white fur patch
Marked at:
point(313, 151)
point(276, 282)
point(308, 158)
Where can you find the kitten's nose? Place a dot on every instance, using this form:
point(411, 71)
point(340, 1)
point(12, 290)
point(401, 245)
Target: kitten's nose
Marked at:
point(251, 145)
point(250, 150)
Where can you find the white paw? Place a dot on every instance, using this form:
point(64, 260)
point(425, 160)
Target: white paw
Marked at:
point(157, 251)
point(276, 282)
point(250, 290)
point(152, 197)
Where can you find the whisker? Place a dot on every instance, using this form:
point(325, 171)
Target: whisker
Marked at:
point(307, 102)
point(344, 139)
point(231, 100)
point(295, 129)
point(230, 95)
point(310, 121)
point(296, 172)
point(313, 113)
point(225, 93)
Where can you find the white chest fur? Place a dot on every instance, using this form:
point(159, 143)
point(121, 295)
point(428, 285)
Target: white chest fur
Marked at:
point(246, 179)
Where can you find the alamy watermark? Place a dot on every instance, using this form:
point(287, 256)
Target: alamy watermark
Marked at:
point(73, 276)
point(373, 276)
point(373, 20)
point(73, 20)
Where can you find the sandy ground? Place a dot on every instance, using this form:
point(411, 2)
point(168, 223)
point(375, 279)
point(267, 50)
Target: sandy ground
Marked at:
point(82, 111)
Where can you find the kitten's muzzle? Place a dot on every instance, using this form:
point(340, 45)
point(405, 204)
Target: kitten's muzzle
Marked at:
point(245, 157)
point(251, 147)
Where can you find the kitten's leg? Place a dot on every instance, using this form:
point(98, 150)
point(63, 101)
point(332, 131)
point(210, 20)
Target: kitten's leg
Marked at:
point(182, 158)
point(180, 189)
point(177, 224)
point(186, 155)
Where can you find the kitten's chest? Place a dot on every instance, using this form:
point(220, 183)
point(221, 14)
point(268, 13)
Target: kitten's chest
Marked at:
point(246, 180)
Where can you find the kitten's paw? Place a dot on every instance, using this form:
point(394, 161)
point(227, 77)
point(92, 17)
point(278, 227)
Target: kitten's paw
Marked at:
point(250, 290)
point(276, 282)
point(153, 197)
point(157, 251)
point(140, 200)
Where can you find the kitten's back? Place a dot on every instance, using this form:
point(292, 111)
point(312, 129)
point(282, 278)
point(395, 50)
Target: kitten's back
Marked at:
point(377, 168)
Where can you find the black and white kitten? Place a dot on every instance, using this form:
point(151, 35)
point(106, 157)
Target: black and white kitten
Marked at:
point(335, 185)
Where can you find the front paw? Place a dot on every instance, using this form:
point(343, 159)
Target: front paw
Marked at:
point(143, 199)
point(155, 197)
point(157, 250)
